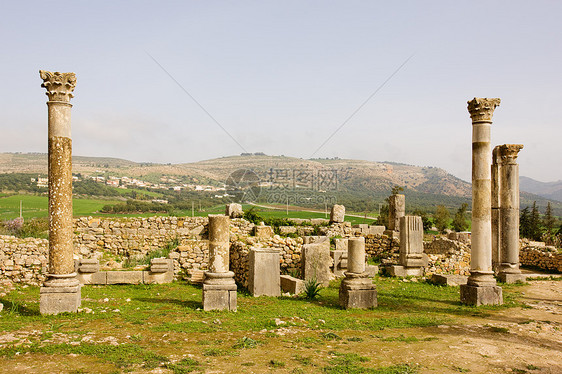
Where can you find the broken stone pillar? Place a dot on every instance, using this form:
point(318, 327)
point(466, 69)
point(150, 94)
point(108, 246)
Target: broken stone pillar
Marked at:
point(412, 259)
point(61, 290)
point(481, 288)
point(396, 210)
point(357, 289)
point(337, 215)
point(316, 262)
point(508, 269)
point(234, 210)
point(219, 288)
point(264, 272)
point(495, 178)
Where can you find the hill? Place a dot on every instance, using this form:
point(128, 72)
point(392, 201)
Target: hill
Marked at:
point(549, 190)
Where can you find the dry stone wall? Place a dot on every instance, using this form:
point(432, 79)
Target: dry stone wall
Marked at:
point(538, 255)
point(23, 260)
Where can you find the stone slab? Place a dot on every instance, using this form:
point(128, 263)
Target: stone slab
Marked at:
point(402, 271)
point(219, 297)
point(376, 230)
point(449, 279)
point(483, 295)
point(55, 300)
point(92, 278)
point(316, 262)
point(291, 284)
point(264, 272)
point(263, 232)
point(511, 278)
point(371, 270)
point(357, 297)
point(125, 277)
point(341, 244)
point(312, 239)
point(148, 277)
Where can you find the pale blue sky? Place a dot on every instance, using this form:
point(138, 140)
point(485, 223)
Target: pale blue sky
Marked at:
point(281, 76)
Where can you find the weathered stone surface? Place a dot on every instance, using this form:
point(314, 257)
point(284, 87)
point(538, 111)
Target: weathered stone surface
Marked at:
point(60, 299)
point(481, 295)
point(1, 306)
point(161, 265)
point(396, 210)
point(219, 297)
point(403, 271)
point(411, 241)
point(511, 277)
point(339, 258)
point(449, 279)
point(315, 239)
point(263, 232)
point(264, 272)
point(291, 285)
point(341, 244)
point(316, 261)
point(219, 243)
point(125, 277)
point(337, 214)
point(357, 294)
point(234, 210)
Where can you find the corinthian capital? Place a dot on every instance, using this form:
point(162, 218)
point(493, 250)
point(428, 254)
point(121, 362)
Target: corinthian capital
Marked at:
point(509, 152)
point(482, 109)
point(59, 85)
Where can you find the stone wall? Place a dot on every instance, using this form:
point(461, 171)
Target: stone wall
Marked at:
point(446, 256)
point(23, 260)
point(538, 255)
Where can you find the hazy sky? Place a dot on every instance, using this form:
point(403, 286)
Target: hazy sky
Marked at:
point(282, 76)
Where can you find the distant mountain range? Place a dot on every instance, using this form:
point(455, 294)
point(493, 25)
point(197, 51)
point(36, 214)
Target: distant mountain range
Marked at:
point(427, 186)
point(549, 190)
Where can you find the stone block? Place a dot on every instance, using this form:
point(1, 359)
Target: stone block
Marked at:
point(291, 284)
point(149, 277)
point(219, 297)
point(402, 271)
point(1, 306)
point(337, 215)
point(392, 234)
point(357, 294)
point(125, 277)
point(371, 270)
point(92, 278)
point(512, 278)
point(339, 258)
point(316, 262)
point(284, 230)
point(319, 221)
point(161, 265)
point(449, 279)
point(234, 210)
point(55, 300)
point(263, 232)
point(341, 244)
point(264, 272)
point(376, 230)
point(88, 265)
point(361, 226)
point(481, 295)
point(315, 239)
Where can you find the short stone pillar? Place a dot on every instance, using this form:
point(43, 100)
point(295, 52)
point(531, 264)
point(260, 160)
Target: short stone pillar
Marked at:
point(263, 232)
point(508, 268)
point(357, 289)
point(481, 288)
point(412, 259)
point(316, 262)
point(396, 210)
point(234, 210)
point(264, 272)
point(219, 288)
point(337, 214)
point(61, 290)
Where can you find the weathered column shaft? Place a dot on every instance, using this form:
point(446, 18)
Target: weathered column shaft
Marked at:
point(509, 249)
point(356, 255)
point(219, 242)
point(481, 111)
point(496, 225)
point(396, 210)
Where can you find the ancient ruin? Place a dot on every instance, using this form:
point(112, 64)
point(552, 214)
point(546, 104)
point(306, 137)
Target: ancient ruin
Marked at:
point(264, 272)
point(61, 291)
point(396, 210)
point(412, 259)
point(508, 267)
point(357, 289)
point(481, 288)
point(337, 214)
point(219, 288)
point(234, 210)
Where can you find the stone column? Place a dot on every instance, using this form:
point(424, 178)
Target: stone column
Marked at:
point(357, 289)
point(396, 210)
point(412, 258)
point(496, 167)
point(219, 288)
point(61, 291)
point(481, 288)
point(508, 270)
point(337, 214)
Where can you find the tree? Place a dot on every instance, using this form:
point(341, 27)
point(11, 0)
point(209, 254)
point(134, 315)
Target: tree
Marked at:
point(396, 190)
point(441, 218)
point(460, 223)
point(525, 223)
point(535, 219)
point(549, 220)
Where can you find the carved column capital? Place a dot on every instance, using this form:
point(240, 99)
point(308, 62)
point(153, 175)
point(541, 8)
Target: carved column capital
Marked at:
point(482, 109)
point(59, 85)
point(509, 153)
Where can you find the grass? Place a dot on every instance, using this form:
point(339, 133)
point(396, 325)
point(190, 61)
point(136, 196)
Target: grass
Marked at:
point(162, 322)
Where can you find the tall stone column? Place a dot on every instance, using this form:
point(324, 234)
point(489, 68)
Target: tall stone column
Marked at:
point(496, 226)
point(357, 289)
point(219, 288)
point(508, 270)
point(61, 291)
point(481, 288)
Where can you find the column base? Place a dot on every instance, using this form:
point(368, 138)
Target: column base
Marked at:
point(481, 295)
point(511, 277)
point(219, 291)
point(60, 294)
point(357, 293)
point(403, 271)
